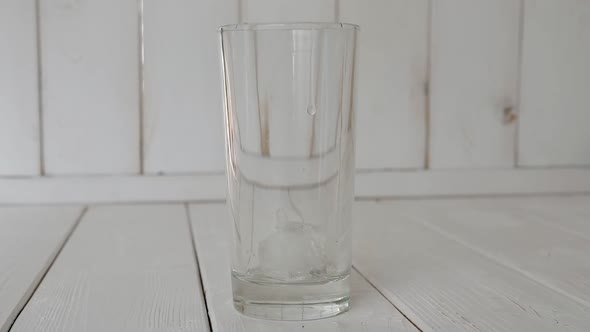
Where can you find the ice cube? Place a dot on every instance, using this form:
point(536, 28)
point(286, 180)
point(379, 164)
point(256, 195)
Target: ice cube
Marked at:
point(293, 252)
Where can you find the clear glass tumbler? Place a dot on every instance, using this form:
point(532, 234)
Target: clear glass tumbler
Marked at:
point(289, 125)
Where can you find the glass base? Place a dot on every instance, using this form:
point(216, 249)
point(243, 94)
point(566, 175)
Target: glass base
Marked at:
point(297, 301)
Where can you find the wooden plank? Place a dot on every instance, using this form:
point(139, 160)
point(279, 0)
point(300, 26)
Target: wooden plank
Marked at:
point(126, 268)
point(513, 238)
point(183, 127)
point(90, 86)
point(472, 182)
point(30, 238)
point(19, 95)
point(555, 84)
point(273, 11)
point(442, 285)
point(571, 214)
point(391, 81)
point(207, 187)
point(474, 77)
point(369, 311)
point(111, 189)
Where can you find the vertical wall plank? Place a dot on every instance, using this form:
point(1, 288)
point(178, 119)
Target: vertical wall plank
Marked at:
point(555, 109)
point(474, 77)
point(183, 115)
point(289, 11)
point(391, 79)
point(19, 101)
point(90, 62)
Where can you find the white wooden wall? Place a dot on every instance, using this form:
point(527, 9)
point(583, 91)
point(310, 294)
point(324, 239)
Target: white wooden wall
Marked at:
point(131, 87)
point(474, 77)
point(19, 89)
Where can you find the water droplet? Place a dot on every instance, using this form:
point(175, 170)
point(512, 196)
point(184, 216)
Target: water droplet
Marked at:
point(311, 110)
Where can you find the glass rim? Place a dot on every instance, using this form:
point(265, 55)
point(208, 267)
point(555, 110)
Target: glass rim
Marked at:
point(288, 26)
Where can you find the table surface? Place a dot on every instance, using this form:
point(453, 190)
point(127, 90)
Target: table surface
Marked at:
point(485, 264)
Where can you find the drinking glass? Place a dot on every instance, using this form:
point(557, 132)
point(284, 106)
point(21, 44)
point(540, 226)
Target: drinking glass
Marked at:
point(289, 130)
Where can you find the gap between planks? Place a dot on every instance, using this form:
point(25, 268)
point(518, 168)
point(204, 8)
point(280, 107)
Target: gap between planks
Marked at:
point(63, 244)
point(529, 275)
point(386, 298)
point(516, 156)
point(196, 257)
point(427, 90)
point(39, 44)
point(141, 92)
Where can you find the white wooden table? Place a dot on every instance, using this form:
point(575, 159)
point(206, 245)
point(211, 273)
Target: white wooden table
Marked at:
point(495, 264)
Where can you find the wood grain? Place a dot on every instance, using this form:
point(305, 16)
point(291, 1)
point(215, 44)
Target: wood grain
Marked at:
point(513, 238)
point(126, 268)
point(392, 73)
point(183, 112)
point(474, 78)
point(19, 95)
point(555, 84)
point(30, 238)
point(370, 311)
point(90, 62)
point(571, 214)
point(443, 285)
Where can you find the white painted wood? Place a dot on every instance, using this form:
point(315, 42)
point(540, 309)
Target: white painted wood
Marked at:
point(126, 268)
point(555, 84)
point(442, 285)
point(19, 96)
point(474, 77)
point(571, 214)
point(391, 80)
point(514, 238)
point(258, 11)
point(201, 187)
point(369, 310)
point(30, 238)
point(183, 112)
point(110, 189)
point(472, 182)
point(90, 61)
